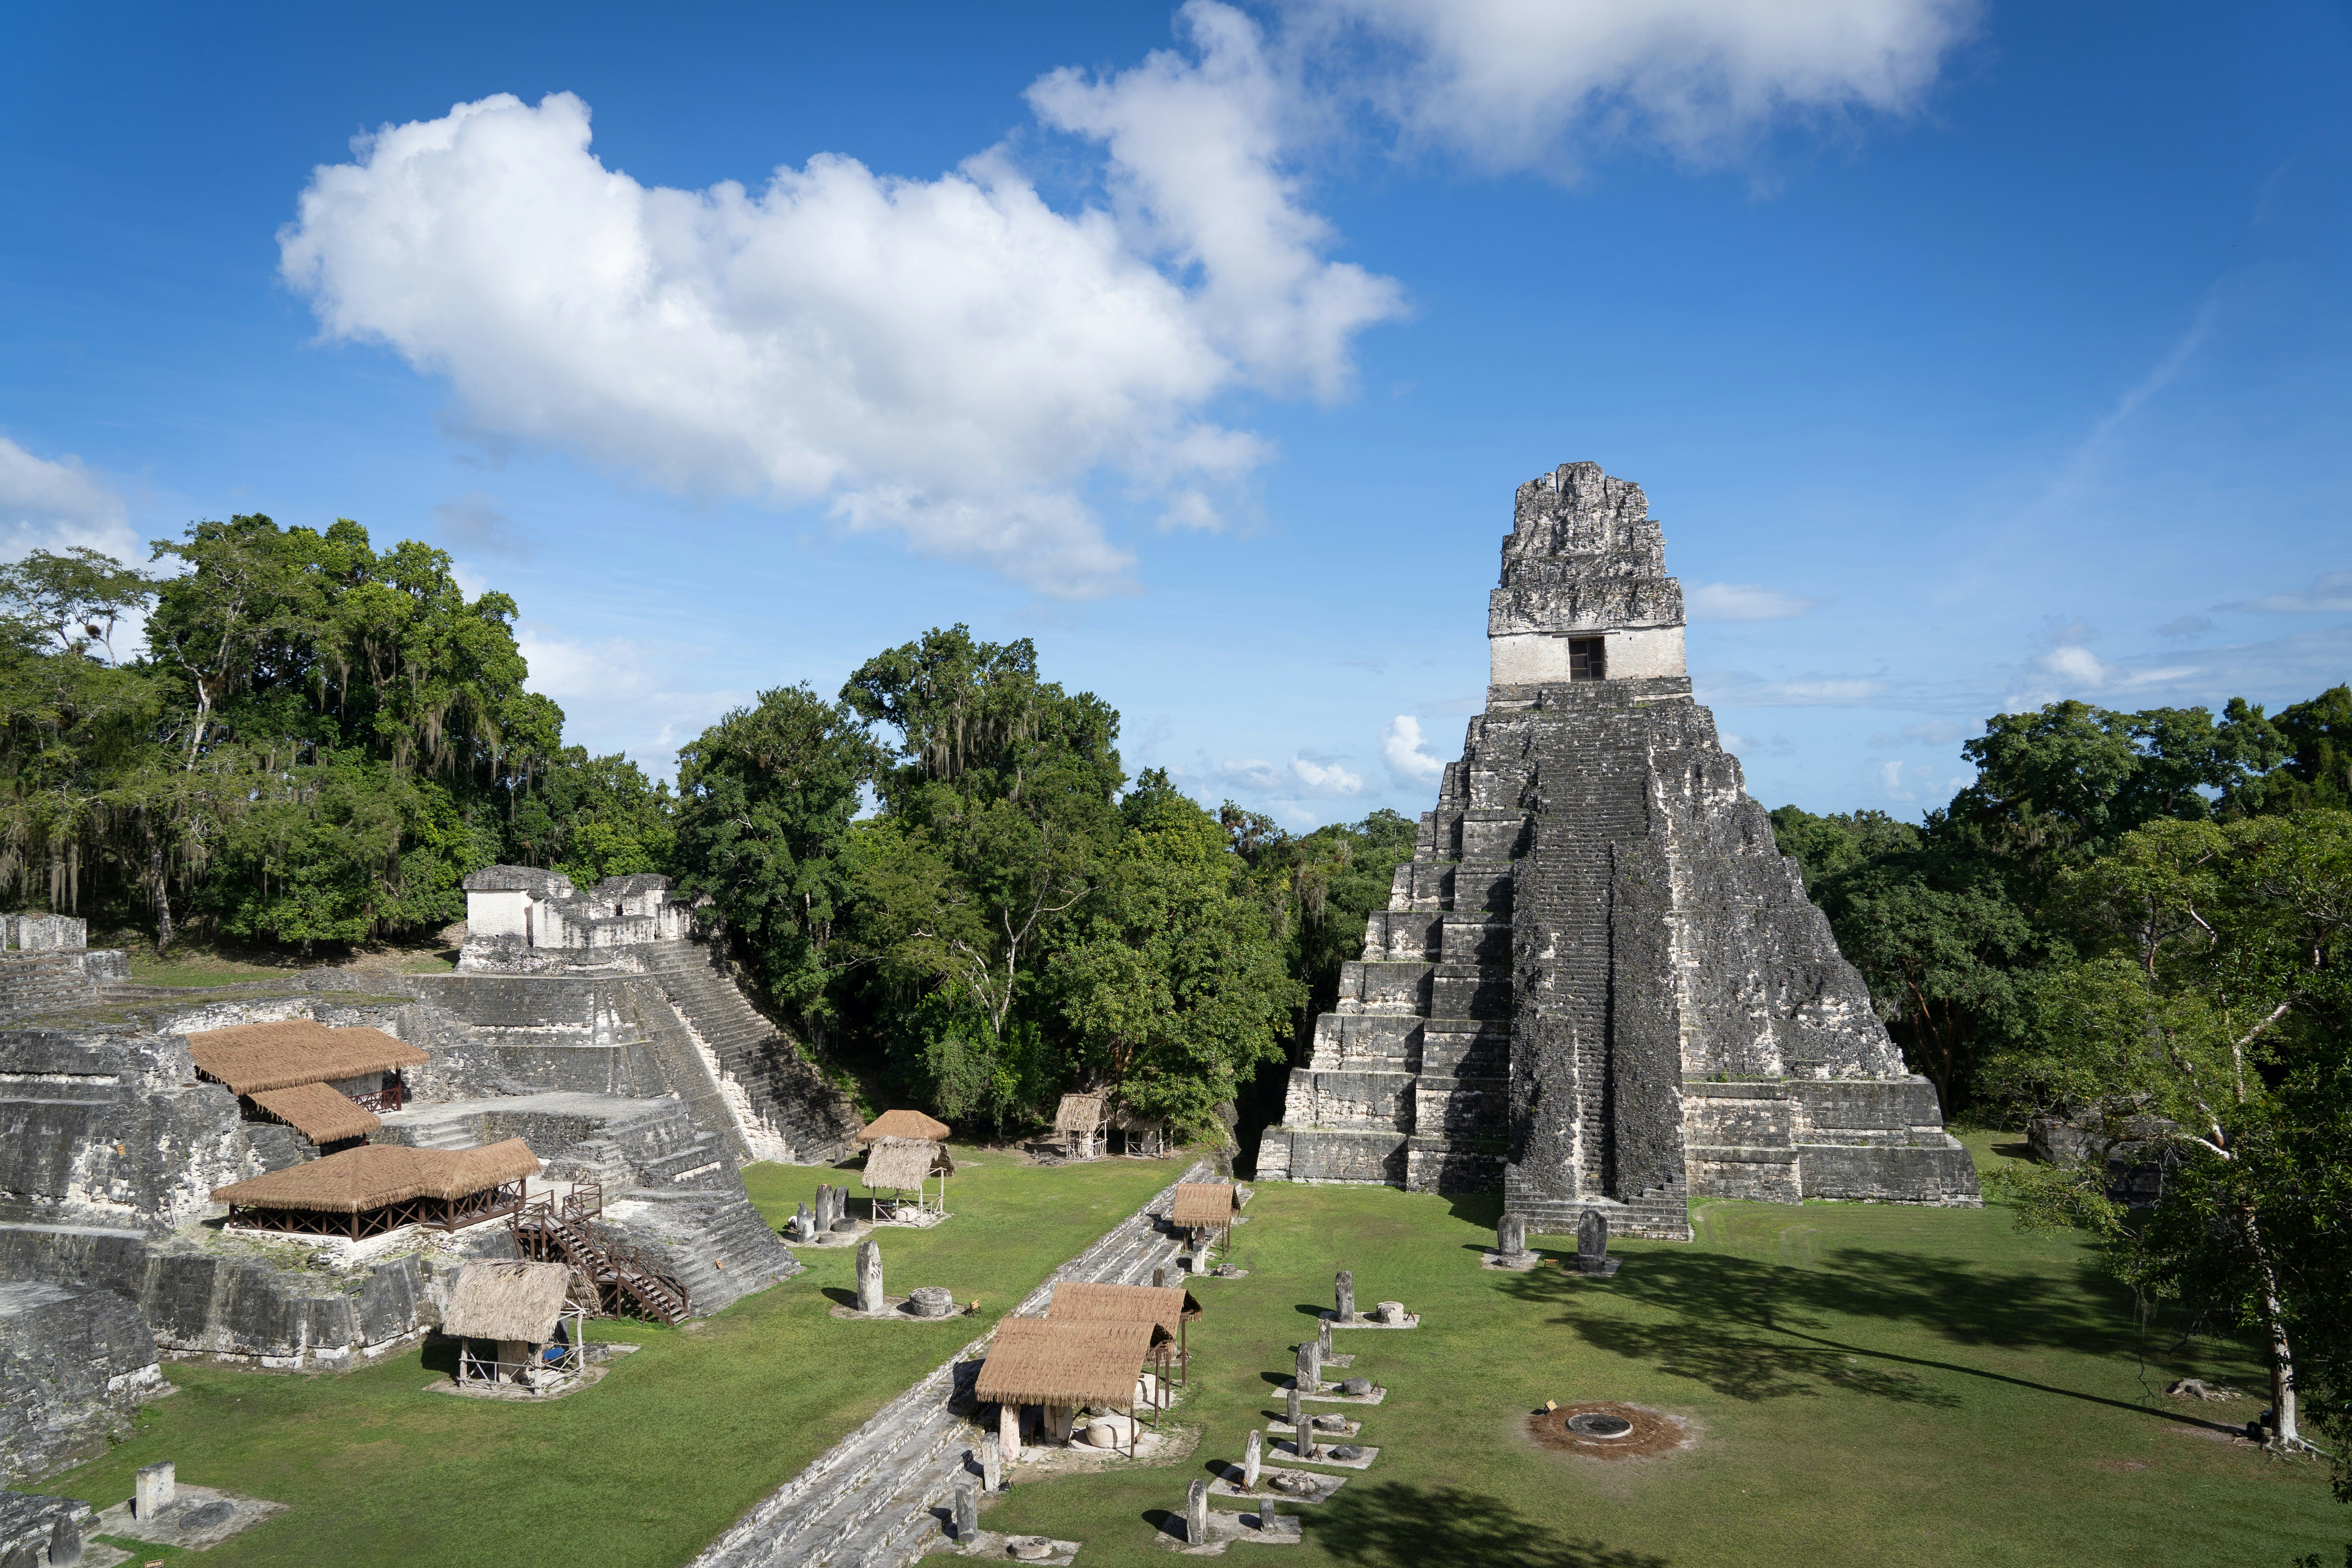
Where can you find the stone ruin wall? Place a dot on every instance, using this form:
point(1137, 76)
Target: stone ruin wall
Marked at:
point(1598, 983)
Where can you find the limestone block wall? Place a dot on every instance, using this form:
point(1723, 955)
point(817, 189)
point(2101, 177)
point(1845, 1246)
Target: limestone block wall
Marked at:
point(114, 1130)
point(74, 1364)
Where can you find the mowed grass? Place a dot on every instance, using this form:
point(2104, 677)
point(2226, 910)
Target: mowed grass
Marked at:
point(643, 1468)
point(1872, 1384)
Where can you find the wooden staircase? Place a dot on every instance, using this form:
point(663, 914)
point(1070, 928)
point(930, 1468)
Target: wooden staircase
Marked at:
point(624, 1281)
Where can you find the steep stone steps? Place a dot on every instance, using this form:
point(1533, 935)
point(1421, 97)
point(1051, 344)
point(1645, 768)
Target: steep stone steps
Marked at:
point(777, 1101)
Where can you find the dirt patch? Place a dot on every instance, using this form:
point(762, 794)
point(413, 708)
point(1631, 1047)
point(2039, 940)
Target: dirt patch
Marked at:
point(1654, 1432)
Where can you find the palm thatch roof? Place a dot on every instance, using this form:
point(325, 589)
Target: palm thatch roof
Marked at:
point(905, 1124)
point(1080, 1113)
point(1050, 1361)
point(507, 1301)
point(252, 1057)
point(1079, 1302)
point(1124, 1118)
point(376, 1174)
point(1204, 1203)
point(900, 1162)
point(318, 1112)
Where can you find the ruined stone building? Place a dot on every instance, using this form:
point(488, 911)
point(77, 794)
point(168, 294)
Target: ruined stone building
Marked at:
point(590, 1024)
point(1597, 982)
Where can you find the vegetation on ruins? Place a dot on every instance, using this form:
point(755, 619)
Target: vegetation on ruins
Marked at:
point(318, 740)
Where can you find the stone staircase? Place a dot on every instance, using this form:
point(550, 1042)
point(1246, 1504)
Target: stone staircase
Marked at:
point(710, 1240)
point(877, 1498)
point(1409, 1081)
point(781, 1104)
point(32, 983)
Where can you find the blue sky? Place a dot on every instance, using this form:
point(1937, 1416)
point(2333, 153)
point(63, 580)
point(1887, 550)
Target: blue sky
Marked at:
point(1973, 355)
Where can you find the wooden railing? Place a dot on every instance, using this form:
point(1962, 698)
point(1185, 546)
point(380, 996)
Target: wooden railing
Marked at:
point(623, 1279)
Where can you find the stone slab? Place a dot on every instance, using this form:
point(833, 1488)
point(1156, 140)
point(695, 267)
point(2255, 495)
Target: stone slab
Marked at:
point(1260, 1528)
point(1228, 1485)
point(200, 1517)
point(992, 1546)
point(1323, 1397)
point(1411, 1320)
point(1342, 1435)
point(1490, 1258)
point(896, 1311)
point(1288, 1449)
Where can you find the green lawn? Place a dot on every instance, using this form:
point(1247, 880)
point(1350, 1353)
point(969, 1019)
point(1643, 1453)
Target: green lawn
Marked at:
point(648, 1466)
point(1872, 1384)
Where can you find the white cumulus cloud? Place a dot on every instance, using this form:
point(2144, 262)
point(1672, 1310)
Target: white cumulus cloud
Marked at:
point(1746, 601)
point(1408, 758)
point(1514, 83)
point(949, 359)
point(1326, 778)
point(57, 504)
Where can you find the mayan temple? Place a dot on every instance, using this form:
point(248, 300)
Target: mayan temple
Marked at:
point(1598, 983)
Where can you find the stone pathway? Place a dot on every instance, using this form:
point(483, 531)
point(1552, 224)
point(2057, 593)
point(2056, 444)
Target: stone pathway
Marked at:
point(869, 1502)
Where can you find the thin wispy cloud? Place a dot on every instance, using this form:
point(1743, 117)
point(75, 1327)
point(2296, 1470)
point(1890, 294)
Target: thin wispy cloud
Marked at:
point(2331, 592)
point(1746, 601)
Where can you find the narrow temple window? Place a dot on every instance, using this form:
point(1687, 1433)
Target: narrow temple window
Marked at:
point(1586, 660)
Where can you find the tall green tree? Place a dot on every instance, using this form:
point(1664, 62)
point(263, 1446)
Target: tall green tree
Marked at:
point(1170, 982)
point(766, 799)
point(2214, 992)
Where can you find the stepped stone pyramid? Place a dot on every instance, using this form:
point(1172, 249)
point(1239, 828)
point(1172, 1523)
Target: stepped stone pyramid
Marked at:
point(1597, 982)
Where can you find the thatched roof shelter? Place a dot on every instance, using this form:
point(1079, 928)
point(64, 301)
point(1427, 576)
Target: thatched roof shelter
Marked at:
point(318, 1112)
point(1080, 1113)
point(912, 1124)
point(376, 1176)
point(1076, 1302)
point(1124, 1118)
point(1202, 1204)
point(254, 1057)
point(507, 1301)
point(1046, 1361)
point(898, 1163)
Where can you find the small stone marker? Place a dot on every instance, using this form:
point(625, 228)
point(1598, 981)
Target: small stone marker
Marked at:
point(1391, 1312)
point(1355, 1385)
point(1196, 1513)
point(1593, 1245)
point(65, 1541)
point(967, 1512)
point(931, 1301)
point(1343, 1290)
point(1297, 1420)
point(1347, 1451)
point(1309, 1368)
point(1323, 1337)
point(869, 1275)
point(992, 1464)
point(1253, 1452)
point(824, 1205)
point(1511, 1236)
point(157, 1486)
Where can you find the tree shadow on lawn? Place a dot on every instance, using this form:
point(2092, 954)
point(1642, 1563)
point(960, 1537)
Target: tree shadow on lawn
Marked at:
point(1735, 1319)
point(1395, 1525)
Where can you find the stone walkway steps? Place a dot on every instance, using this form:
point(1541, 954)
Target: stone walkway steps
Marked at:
point(868, 1502)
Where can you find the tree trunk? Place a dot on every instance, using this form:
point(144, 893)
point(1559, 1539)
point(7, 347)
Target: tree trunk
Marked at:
point(163, 895)
point(2286, 1431)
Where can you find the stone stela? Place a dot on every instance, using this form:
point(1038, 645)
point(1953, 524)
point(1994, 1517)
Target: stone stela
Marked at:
point(1598, 984)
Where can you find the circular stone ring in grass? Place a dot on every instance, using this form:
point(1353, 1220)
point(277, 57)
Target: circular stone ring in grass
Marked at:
point(1597, 1424)
point(1608, 1429)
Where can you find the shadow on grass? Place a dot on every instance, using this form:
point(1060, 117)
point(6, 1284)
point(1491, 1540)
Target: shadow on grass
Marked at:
point(441, 1355)
point(1755, 1331)
point(1396, 1525)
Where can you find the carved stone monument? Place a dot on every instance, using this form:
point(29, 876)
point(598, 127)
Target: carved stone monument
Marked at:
point(1296, 1413)
point(1308, 1372)
point(967, 1512)
point(869, 1276)
point(1196, 1513)
point(1253, 1454)
point(1343, 1293)
point(155, 1489)
point(1599, 984)
point(1323, 1338)
point(1511, 1238)
point(1593, 1245)
point(992, 1464)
